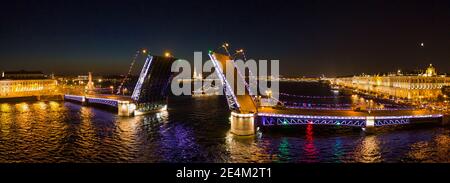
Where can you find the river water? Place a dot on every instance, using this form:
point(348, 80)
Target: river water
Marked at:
point(196, 129)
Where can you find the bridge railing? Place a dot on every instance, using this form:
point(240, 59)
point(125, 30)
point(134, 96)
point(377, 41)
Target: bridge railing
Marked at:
point(401, 120)
point(269, 119)
point(103, 101)
point(231, 97)
point(75, 98)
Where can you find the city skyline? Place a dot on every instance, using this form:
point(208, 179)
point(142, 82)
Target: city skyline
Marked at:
point(309, 38)
point(245, 90)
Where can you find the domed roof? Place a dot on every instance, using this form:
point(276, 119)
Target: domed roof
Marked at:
point(431, 71)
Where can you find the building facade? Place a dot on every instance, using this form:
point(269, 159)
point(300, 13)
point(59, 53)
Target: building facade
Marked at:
point(20, 88)
point(427, 85)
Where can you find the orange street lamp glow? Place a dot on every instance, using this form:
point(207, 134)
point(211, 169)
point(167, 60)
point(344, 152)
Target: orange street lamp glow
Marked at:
point(167, 54)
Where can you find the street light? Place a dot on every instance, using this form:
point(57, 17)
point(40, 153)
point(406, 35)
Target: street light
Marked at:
point(225, 46)
point(240, 51)
point(167, 54)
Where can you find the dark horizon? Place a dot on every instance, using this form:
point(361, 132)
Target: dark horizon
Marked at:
point(309, 38)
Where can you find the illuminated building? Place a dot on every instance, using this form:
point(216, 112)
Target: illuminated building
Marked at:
point(26, 83)
point(427, 85)
point(23, 75)
point(18, 88)
point(446, 91)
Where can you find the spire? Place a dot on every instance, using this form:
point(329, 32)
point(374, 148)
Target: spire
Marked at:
point(90, 84)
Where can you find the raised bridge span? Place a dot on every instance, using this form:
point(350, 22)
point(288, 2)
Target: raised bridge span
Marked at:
point(151, 92)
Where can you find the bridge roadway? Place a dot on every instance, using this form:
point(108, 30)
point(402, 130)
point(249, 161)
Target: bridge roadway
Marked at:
point(269, 116)
point(111, 97)
point(245, 123)
point(124, 104)
point(288, 111)
point(245, 101)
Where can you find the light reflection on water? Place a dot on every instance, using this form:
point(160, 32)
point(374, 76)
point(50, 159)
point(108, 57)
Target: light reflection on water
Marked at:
point(338, 153)
point(309, 147)
point(368, 150)
point(193, 130)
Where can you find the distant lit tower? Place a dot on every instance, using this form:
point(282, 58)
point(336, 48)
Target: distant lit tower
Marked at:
point(90, 84)
point(197, 76)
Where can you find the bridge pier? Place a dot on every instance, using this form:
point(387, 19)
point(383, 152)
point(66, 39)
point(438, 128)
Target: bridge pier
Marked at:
point(369, 127)
point(125, 108)
point(242, 124)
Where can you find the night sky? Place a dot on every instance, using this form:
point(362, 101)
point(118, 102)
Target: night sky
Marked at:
point(308, 37)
